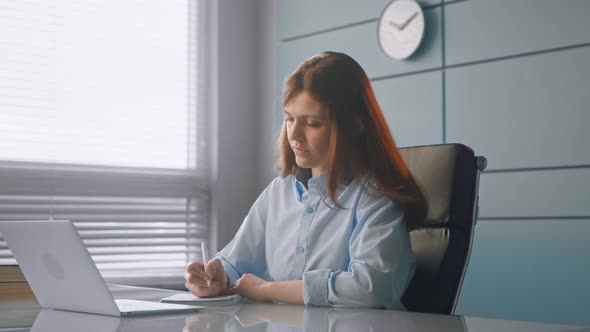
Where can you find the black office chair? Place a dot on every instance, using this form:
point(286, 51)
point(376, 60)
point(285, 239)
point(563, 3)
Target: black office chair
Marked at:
point(449, 176)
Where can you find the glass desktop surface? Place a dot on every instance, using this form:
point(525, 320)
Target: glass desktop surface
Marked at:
point(21, 317)
point(273, 317)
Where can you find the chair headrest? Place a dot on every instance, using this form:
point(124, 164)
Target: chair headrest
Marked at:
point(436, 168)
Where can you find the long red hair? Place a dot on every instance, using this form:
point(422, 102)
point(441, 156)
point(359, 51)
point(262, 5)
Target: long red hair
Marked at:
point(361, 144)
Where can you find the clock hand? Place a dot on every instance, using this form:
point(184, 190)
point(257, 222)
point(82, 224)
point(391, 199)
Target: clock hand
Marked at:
point(394, 25)
point(403, 25)
point(408, 21)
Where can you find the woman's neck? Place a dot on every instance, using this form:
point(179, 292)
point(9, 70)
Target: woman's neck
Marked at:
point(315, 172)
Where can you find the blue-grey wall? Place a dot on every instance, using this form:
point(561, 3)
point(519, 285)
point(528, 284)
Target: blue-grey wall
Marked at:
point(510, 78)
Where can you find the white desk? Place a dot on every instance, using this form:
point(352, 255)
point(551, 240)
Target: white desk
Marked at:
point(26, 315)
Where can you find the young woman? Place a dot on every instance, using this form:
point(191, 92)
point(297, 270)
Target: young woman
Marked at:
point(332, 229)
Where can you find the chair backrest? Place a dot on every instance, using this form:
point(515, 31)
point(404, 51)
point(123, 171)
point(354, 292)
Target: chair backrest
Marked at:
point(449, 176)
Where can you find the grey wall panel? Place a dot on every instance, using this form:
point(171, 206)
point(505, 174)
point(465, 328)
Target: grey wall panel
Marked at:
point(412, 106)
point(302, 17)
point(361, 43)
point(523, 112)
point(529, 270)
point(478, 30)
point(542, 193)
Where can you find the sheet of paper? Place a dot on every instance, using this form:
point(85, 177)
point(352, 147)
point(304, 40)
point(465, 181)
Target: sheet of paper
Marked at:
point(188, 298)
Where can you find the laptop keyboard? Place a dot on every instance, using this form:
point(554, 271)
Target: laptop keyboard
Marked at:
point(143, 306)
point(134, 305)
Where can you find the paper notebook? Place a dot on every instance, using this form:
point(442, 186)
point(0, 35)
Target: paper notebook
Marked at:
point(188, 298)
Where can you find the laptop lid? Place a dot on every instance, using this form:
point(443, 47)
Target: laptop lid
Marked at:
point(57, 266)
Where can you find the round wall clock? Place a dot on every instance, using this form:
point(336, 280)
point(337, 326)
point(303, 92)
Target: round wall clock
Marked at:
point(401, 28)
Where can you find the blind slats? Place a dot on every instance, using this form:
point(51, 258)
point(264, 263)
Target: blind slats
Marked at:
point(143, 242)
point(121, 237)
point(146, 235)
point(139, 257)
point(171, 265)
point(103, 124)
point(40, 179)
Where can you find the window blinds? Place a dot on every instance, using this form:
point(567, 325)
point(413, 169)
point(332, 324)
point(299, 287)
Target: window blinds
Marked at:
point(101, 123)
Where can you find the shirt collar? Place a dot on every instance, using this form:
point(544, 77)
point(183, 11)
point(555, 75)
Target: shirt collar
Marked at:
point(318, 183)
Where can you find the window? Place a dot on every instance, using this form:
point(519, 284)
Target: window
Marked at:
point(102, 123)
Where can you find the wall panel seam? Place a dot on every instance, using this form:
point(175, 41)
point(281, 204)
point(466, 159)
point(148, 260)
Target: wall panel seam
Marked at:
point(452, 2)
point(417, 72)
point(533, 218)
point(323, 31)
point(443, 77)
point(534, 169)
point(344, 26)
point(517, 55)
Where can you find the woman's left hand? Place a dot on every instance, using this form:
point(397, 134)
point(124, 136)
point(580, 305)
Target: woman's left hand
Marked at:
point(251, 287)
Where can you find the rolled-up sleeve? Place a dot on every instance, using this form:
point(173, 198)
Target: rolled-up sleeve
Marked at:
point(381, 262)
point(315, 287)
point(246, 251)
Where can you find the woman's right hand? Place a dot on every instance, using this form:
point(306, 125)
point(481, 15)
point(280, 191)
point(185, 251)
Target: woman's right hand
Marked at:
point(196, 278)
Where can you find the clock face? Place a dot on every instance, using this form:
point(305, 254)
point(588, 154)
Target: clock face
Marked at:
point(401, 28)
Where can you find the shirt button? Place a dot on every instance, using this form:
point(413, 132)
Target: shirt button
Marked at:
point(309, 210)
point(300, 250)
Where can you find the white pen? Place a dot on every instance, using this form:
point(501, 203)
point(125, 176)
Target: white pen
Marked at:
point(205, 253)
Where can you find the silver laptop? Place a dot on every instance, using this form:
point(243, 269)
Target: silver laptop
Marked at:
point(61, 273)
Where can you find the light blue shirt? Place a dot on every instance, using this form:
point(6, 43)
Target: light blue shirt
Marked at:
point(359, 256)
